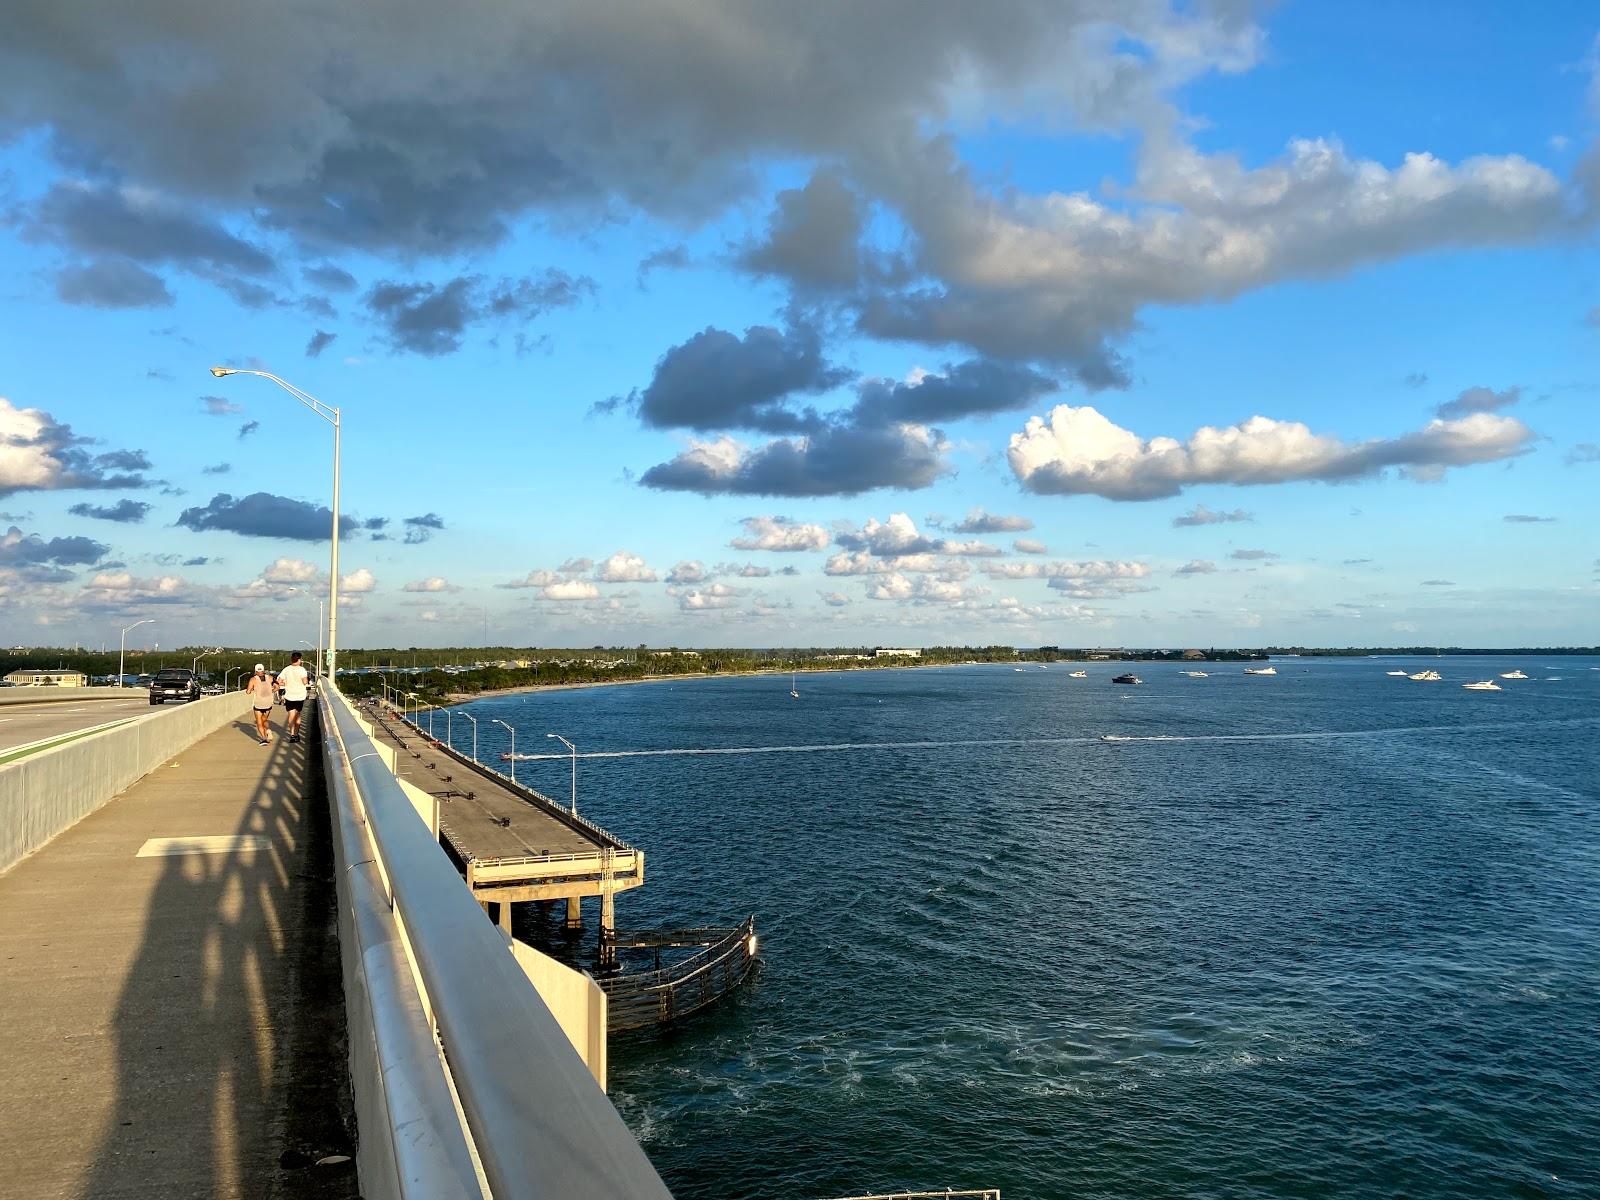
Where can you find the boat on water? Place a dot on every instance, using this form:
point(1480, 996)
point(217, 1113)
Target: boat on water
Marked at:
point(1401, 674)
point(1195, 674)
point(1128, 677)
point(1426, 676)
point(1512, 675)
point(1261, 670)
point(1018, 670)
point(1483, 685)
point(1077, 674)
point(1114, 737)
point(794, 689)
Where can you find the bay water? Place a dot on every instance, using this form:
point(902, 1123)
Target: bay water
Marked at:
point(1328, 933)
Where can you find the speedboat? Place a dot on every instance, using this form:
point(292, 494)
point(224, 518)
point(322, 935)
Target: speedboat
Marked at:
point(1195, 674)
point(1018, 670)
point(1077, 674)
point(1129, 677)
point(1261, 670)
point(1426, 676)
point(1512, 675)
point(1114, 737)
point(1401, 674)
point(1483, 685)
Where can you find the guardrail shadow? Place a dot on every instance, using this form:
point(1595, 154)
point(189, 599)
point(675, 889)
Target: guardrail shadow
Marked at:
point(231, 1074)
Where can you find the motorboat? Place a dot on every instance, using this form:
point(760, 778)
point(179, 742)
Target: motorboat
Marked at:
point(1401, 674)
point(1483, 685)
point(1426, 677)
point(1077, 674)
point(1114, 737)
point(1261, 670)
point(1128, 677)
point(1512, 675)
point(1018, 670)
point(1195, 674)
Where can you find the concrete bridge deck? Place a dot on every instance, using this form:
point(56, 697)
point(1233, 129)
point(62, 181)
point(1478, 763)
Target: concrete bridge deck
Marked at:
point(172, 1007)
point(513, 844)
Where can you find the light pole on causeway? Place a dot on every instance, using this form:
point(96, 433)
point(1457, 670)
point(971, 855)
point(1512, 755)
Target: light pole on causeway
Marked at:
point(331, 415)
point(123, 652)
point(466, 716)
point(574, 750)
point(513, 734)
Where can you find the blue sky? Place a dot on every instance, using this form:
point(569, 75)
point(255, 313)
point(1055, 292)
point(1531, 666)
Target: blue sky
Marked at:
point(745, 324)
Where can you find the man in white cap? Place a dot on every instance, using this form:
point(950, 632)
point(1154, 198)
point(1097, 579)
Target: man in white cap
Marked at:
point(262, 696)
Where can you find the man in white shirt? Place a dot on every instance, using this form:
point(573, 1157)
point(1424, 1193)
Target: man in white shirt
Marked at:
point(292, 685)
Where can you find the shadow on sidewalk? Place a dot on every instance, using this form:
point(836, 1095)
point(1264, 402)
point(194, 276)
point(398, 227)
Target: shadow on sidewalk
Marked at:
point(232, 1074)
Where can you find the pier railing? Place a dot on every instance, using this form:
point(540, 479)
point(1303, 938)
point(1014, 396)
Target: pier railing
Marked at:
point(420, 957)
point(646, 999)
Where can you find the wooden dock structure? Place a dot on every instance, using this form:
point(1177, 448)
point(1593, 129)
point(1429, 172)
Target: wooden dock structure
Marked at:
point(512, 844)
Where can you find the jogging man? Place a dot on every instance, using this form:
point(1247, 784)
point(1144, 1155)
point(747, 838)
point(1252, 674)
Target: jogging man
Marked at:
point(260, 689)
point(292, 682)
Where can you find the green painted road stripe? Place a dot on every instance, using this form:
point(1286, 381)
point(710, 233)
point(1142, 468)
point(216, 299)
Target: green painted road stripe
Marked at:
point(24, 751)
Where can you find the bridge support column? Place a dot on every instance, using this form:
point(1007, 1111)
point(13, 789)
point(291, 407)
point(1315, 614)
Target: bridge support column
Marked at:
point(505, 915)
point(608, 929)
point(574, 913)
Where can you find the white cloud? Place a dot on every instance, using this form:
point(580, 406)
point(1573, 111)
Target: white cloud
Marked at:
point(433, 583)
point(1197, 566)
point(780, 534)
point(981, 521)
point(899, 539)
point(1095, 579)
point(289, 570)
point(834, 599)
point(1201, 515)
point(715, 597)
point(1077, 451)
point(623, 567)
point(1029, 546)
point(570, 589)
point(357, 582)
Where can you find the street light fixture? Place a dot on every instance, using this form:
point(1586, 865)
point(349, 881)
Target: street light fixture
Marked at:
point(331, 415)
point(574, 750)
point(194, 667)
point(226, 674)
point(123, 652)
point(513, 734)
point(469, 717)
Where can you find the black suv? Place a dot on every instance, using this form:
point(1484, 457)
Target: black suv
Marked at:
point(174, 683)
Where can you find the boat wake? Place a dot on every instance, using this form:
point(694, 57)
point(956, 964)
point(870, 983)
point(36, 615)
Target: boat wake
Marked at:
point(857, 747)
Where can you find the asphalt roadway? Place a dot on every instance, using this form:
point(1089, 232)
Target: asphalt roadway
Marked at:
point(22, 724)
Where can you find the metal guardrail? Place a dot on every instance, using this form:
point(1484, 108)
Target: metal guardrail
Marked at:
point(647, 999)
point(540, 1125)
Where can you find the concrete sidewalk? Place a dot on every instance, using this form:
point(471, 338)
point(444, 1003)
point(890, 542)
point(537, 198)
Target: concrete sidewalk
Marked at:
point(172, 1012)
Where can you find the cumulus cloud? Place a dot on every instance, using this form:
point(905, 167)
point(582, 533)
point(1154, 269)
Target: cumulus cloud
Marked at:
point(838, 461)
point(431, 319)
point(1093, 579)
point(1029, 546)
point(834, 599)
point(1201, 515)
point(18, 549)
point(39, 453)
point(980, 521)
point(1077, 451)
point(624, 567)
point(433, 583)
point(780, 534)
point(123, 511)
point(569, 589)
point(357, 582)
point(1479, 400)
point(711, 598)
point(262, 514)
point(1197, 566)
point(117, 589)
point(289, 571)
point(898, 538)
point(686, 572)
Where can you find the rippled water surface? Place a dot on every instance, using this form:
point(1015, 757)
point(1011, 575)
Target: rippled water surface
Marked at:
point(1329, 933)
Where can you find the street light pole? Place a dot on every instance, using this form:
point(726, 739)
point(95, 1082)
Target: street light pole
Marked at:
point(225, 676)
point(574, 750)
point(123, 652)
point(513, 734)
point(331, 415)
point(468, 716)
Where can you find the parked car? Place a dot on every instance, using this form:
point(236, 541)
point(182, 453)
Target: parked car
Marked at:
point(174, 683)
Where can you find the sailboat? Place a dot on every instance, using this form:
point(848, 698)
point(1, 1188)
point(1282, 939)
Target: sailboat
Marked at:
point(794, 691)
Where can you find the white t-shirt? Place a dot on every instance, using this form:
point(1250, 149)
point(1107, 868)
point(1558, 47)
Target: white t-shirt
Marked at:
point(292, 679)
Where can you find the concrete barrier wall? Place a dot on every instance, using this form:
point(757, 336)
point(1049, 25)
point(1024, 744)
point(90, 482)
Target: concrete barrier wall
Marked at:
point(52, 790)
point(576, 1000)
point(56, 695)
